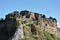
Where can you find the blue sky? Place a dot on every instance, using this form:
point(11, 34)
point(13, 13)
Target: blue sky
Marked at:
point(47, 7)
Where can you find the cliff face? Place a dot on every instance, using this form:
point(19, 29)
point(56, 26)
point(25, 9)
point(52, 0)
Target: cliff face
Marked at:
point(47, 24)
point(33, 22)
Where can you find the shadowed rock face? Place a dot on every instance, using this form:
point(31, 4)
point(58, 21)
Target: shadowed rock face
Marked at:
point(3, 33)
point(7, 29)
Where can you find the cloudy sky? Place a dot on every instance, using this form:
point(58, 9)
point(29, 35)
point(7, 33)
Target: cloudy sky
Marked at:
point(47, 7)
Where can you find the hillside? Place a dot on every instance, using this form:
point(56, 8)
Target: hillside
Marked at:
point(27, 25)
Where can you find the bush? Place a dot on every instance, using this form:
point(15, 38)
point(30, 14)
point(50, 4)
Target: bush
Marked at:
point(43, 16)
point(50, 18)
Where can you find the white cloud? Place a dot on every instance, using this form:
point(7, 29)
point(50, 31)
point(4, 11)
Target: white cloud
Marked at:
point(58, 24)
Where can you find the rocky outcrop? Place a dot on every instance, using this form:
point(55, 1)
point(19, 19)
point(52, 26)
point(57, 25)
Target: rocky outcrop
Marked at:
point(14, 19)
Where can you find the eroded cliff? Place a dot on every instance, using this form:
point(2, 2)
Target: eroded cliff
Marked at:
point(34, 23)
